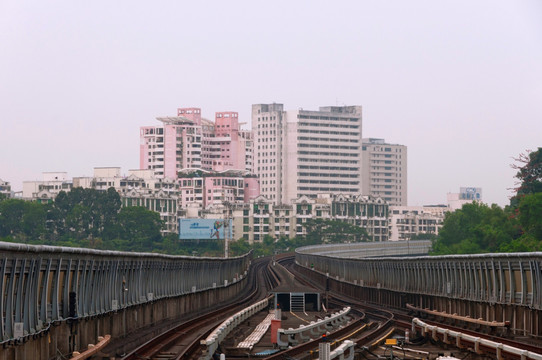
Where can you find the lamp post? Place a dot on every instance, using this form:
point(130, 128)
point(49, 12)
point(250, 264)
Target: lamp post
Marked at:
point(125, 299)
point(226, 227)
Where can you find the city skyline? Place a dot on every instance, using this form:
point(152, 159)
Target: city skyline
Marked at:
point(457, 83)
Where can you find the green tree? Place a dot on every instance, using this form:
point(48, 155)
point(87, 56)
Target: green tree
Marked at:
point(239, 247)
point(527, 202)
point(476, 228)
point(284, 244)
point(84, 213)
point(423, 236)
point(341, 231)
point(34, 221)
point(139, 227)
point(530, 215)
point(78, 221)
point(22, 220)
point(11, 213)
point(529, 167)
point(169, 244)
point(333, 231)
point(105, 212)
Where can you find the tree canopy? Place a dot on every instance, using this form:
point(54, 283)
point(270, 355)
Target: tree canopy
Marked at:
point(22, 219)
point(333, 231)
point(478, 228)
point(529, 173)
point(81, 218)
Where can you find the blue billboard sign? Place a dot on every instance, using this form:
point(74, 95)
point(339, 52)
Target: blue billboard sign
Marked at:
point(204, 229)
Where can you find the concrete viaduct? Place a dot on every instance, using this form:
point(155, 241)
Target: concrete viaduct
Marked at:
point(55, 300)
point(494, 287)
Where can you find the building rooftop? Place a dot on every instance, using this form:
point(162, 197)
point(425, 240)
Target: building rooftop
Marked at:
point(175, 120)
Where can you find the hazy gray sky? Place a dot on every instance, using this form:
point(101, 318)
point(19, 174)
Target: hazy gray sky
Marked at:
point(458, 82)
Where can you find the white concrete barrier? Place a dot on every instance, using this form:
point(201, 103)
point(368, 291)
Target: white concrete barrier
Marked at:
point(220, 333)
point(499, 347)
point(315, 328)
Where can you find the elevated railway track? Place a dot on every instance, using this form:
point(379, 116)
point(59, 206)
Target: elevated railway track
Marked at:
point(494, 297)
point(372, 326)
point(183, 341)
point(402, 319)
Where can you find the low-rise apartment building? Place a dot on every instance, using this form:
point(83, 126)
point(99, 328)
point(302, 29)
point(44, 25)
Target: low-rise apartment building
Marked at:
point(366, 211)
point(5, 189)
point(407, 221)
point(260, 217)
point(47, 189)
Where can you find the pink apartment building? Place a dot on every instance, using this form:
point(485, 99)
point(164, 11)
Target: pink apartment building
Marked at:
point(212, 188)
point(234, 146)
point(172, 146)
point(187, 143)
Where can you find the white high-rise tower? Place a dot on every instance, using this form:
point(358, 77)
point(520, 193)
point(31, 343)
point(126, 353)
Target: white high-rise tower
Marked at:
point(305, 153)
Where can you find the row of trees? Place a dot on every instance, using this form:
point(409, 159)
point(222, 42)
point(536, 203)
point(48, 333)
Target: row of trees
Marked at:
point(81, 218)
point(478, 228)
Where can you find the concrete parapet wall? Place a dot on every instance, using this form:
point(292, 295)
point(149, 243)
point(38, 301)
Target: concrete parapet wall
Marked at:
point(389, 283)
point(44, 289)
point(512, 278)
point(65, 337)
point(370, 249)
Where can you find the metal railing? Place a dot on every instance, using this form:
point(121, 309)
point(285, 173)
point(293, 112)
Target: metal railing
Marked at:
point(371, 249)
point(42, 284)
point(511, 278)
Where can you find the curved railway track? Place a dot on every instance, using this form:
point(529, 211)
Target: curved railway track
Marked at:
point(367, 327)
point(370, 328)
point(183, 340)
point(402, 319)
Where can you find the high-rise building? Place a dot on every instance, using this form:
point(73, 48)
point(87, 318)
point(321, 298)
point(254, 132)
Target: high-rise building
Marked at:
point(304, 153)
point(268, 130)
point(172, 146)
point(231, 145)
point(189, 142)
point(385, 171)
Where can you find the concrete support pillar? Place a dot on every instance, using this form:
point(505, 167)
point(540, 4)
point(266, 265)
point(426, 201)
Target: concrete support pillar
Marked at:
point(477, 346)
point(499, 352)
point(324, 351)
point(458, 343)
point(446, 339)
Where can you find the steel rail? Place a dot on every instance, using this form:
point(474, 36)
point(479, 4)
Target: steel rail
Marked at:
point(194, 330)
point(403, 320)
